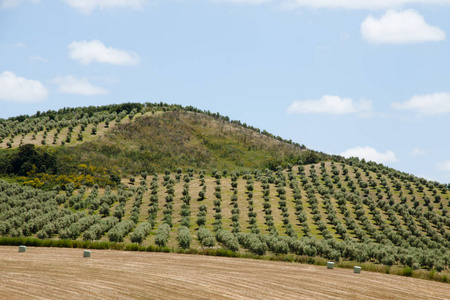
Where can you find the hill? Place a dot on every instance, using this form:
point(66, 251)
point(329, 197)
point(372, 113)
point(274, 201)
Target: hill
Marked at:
point(200, 183)
point(132, 138)
point(183, 139)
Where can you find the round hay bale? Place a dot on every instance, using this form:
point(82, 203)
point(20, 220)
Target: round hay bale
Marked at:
point(22, 248)
point(330, 265)
point(87, 253)
point(357, 269)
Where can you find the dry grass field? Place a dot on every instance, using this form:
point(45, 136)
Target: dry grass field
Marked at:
point(56, 273)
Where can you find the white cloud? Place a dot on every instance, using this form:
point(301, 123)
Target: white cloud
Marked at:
point(9, 3)
point(38, 58)
point(431, 104)
point(400, 27)
point(343, 36)
point(19, 89)
point(443, 166)
point(71, 85)
point(324, 48)
point(358, 4)
point(106, 79)
point(370, 154)
point(243, 1)
point(96, 51)
point(417, 152)
point(13, 3)
point(333, 105)
point(16, 45)
point(87, 6)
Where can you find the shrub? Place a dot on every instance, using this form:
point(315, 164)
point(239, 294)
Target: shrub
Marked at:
point(201, 220)
point(104, 210)
point(253, 243)
point(42, 234)
point(184, 237)
point(60, 199)
point(185, 221)
point(162, 235)
point(228, 240)
point(205, 237)
point(408, 272)
point(139, 234)
point(119, 212)
point(117, 233)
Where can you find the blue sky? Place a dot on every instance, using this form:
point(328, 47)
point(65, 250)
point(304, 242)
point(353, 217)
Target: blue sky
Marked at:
point(357, 78)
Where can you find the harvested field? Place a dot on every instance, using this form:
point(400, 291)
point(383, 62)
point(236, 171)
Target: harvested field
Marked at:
point(57, 273)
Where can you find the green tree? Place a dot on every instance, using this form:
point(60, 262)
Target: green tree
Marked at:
point(30, 158)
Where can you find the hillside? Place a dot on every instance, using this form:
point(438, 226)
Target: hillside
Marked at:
point(132, 138)
point(378, 218)
point(182, 139)
point(199, 183)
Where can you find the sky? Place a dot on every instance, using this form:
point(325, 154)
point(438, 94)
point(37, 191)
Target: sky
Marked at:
point(350, 77)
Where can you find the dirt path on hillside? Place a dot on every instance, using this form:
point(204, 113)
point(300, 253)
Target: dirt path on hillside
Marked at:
point(57, 273)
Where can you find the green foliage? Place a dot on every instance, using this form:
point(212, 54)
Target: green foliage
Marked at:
point(162, 235)
point(29, 159)
point(142, 230)
point(407, 272)
point(253, 243)
point(228, 240)
point(179, 139)
point(117, 233)
point(115, 178)
point(184, 237)
point(104, 210)
point(205, 237)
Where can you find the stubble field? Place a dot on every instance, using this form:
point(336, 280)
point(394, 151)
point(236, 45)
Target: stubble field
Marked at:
point(56, 273)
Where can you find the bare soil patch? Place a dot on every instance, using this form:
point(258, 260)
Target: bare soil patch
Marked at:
point(57, 273)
